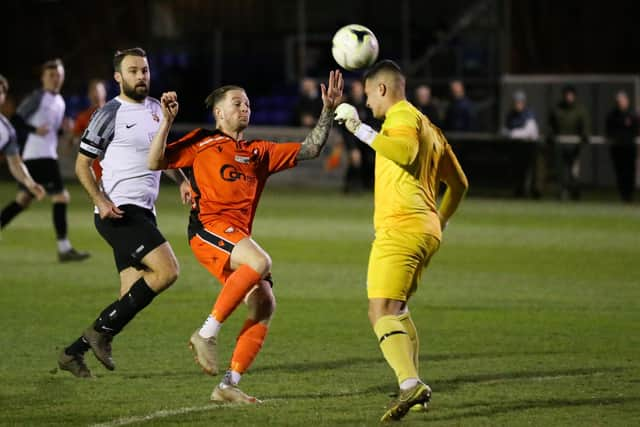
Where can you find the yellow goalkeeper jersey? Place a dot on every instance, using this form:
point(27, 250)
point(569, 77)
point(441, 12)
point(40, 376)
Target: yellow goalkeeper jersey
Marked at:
point(408, 152)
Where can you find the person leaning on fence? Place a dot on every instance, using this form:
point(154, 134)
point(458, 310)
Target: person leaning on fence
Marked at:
point(568, 118)
point(521, 124)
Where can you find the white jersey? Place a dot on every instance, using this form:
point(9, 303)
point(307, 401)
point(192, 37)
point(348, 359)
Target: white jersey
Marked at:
point(8, 140)
point(42, 108)
point(121, 133)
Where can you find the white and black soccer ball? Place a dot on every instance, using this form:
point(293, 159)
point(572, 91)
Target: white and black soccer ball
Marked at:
point(354, 47)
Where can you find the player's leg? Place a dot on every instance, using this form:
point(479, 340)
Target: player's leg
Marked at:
point(393, 337)
point(410, 327)
point(249, 263)
point(574, 172)
point(238, 263)
point(23, 197)
point(261, 304)
point(52, 179)
point(138, 288)
point(147, 266)
point(12, 209)
point(394, 260)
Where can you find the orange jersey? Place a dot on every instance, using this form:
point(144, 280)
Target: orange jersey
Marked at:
point(82, 121)
point(228, 176)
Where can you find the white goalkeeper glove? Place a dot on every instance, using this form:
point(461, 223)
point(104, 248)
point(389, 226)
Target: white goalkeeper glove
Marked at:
point(348, 115)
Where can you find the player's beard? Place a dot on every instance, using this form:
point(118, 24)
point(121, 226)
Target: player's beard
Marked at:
point(138, 92)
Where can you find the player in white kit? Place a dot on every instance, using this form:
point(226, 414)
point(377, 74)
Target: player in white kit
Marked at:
point(39, 119)
point(9, 147)
point(120, 133)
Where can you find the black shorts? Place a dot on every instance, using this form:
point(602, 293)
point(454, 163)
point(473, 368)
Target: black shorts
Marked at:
point(45, 172)
point(132, 237)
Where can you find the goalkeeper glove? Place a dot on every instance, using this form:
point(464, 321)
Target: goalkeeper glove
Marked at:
point(348, 115)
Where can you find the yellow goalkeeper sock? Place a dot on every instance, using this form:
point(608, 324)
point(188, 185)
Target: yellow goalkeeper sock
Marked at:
point(410, 327)
point(396, 347)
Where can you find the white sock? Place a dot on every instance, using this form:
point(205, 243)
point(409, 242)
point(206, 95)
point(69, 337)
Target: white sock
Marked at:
point(408, 383)
point(210, 328)
point(231, 378)
point(235, 377)
point(64, 245)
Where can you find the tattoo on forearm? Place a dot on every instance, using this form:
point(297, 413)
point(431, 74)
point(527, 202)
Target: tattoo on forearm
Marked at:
point(317, 138)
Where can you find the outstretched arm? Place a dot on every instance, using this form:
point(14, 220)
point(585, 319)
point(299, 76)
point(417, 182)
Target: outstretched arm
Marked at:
point(156, 159)
point(317, 138)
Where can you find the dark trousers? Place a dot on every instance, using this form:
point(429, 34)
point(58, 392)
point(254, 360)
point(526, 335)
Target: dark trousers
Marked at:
point(567, 159)
point(624, 163)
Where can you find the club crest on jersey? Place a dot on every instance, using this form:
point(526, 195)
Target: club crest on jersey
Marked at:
point(155, 117)
point(242, 159)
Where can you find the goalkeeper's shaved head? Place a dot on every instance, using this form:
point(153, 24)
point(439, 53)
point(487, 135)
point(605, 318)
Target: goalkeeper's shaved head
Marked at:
point(387, 72)
point(384, 85)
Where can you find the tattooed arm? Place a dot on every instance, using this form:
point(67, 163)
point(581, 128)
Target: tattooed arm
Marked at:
point(313, 143)
point(317, 138)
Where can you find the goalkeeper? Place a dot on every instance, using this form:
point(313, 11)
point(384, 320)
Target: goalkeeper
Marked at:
point(412, 159)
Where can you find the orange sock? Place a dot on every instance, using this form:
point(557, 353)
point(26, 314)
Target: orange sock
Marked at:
point(233, 291)
point(248, 345)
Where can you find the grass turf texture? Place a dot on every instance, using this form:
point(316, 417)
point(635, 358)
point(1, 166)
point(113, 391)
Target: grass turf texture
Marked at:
point(528, 315)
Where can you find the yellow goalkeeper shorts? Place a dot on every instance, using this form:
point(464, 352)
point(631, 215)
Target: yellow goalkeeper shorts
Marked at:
point(396, 262)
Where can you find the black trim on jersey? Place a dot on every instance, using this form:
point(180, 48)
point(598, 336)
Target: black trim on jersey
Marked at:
point(104, 126)
point(215, 240)
point(87, 153)
point(194, 215)
point(102, 120)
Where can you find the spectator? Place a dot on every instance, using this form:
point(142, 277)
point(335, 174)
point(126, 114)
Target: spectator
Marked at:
point(622, 130)
point(426, 104)
point(459, 115)
point(569, 117)
point(97, 95)
point(521, 123)
point(360, 158)
point(309, 105)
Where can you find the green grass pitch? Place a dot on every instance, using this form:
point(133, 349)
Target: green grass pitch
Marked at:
point(528, 315)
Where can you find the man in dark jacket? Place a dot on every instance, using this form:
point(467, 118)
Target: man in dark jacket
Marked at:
point(460, 115)
point(622, 130)
point(569, 119)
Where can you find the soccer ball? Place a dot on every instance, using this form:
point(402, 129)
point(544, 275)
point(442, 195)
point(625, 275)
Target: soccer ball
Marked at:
point(354, 47)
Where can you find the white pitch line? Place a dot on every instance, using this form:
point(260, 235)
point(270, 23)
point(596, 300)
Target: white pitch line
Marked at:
point(159, 414)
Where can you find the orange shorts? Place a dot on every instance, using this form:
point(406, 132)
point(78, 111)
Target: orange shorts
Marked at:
point(212, 246)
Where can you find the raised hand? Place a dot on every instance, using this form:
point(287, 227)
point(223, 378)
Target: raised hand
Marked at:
point(348, 115)
point(170, 106)
point(332, 93)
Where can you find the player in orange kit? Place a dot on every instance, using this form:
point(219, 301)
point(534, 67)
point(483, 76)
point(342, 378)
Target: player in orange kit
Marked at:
point(228, 176)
